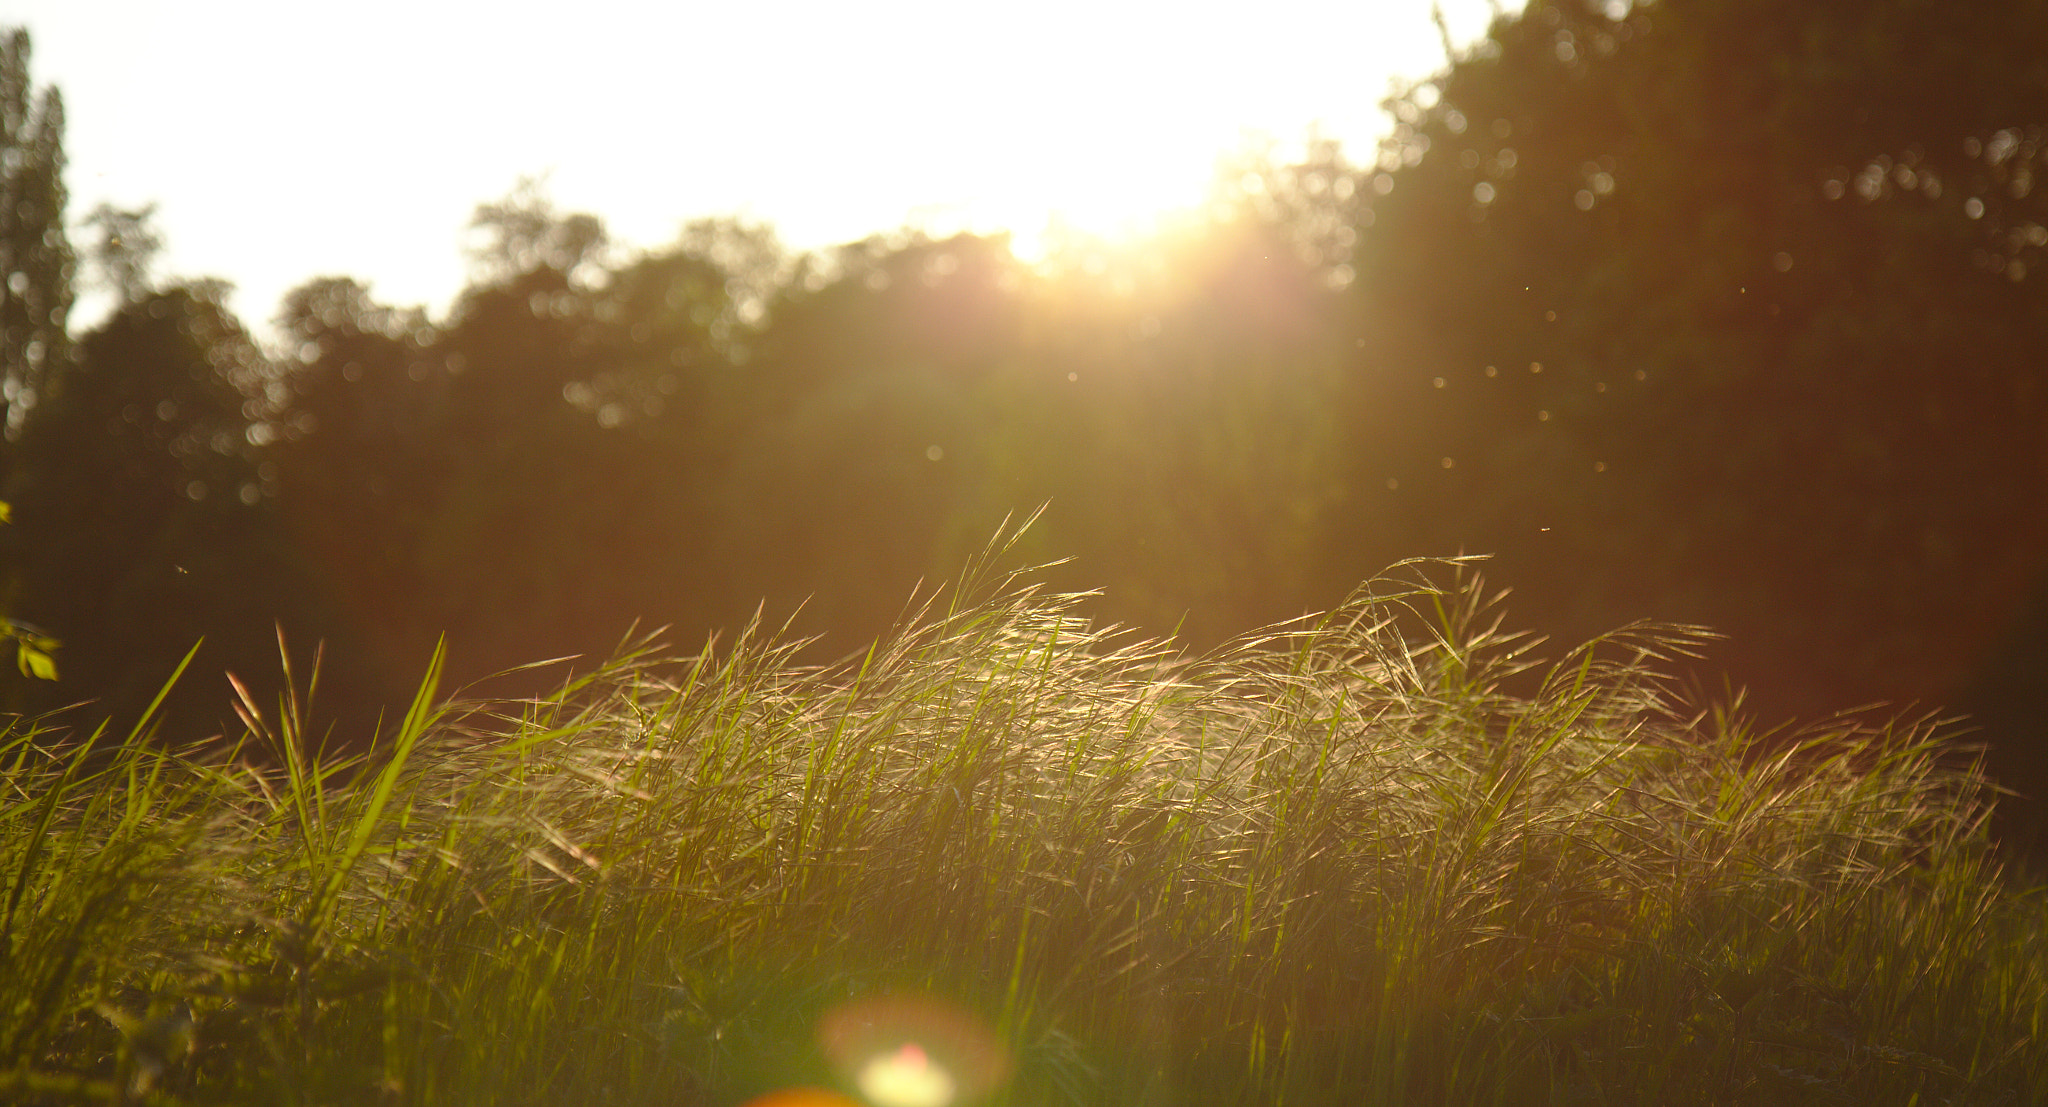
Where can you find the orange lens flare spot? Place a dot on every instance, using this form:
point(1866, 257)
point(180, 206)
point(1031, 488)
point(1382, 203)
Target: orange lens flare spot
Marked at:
point(803, 1097)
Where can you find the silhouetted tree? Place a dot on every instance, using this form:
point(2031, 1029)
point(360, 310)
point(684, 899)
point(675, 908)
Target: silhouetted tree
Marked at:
point(144, 516)
point(125, 249)
point(35, 253)
point(35, 290)
point(359, 467)
point(535, 476)
point(1729, 312)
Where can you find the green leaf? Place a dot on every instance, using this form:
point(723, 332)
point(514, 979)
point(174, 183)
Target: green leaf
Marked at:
point(35, 663)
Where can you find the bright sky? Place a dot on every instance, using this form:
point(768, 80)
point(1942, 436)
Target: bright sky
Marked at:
point(287, 140)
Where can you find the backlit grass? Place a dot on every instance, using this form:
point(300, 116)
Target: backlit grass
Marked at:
point(1337, 863)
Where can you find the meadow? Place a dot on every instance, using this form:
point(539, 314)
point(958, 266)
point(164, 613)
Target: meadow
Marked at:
point(1392, 854)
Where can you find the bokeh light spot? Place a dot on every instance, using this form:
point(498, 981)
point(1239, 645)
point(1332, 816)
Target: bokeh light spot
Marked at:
point(906, 1077)
point(909, 1050)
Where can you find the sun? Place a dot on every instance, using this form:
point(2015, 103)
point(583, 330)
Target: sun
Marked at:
point(1039, 158)
point(1094, 185)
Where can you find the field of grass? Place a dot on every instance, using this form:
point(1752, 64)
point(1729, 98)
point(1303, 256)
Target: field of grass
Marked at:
point(1030, 863)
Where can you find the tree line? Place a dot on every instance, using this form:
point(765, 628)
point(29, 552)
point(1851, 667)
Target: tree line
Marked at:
point(1716, 311)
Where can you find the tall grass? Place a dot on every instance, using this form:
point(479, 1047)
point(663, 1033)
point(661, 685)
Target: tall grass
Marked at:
point(1339, 862)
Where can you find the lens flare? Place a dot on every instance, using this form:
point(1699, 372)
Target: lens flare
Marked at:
point(905, 1078)
point(803, 1097)
point(909, 1050)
